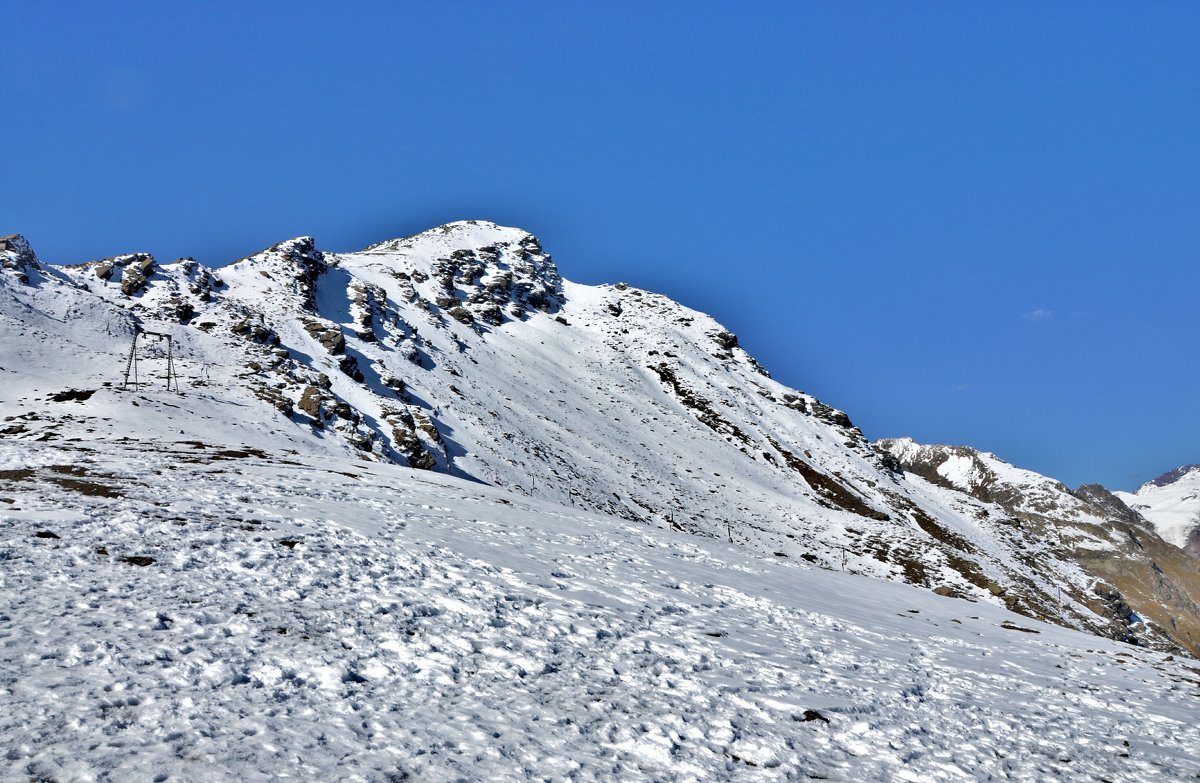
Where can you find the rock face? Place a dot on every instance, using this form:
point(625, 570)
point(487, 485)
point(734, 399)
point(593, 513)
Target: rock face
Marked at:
point(463, 350)
point(1148, 589)
point(17, 257)
point(1172, 504)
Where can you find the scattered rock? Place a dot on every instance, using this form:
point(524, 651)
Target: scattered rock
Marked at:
point(461, 314)
point(73, 395)
point(1008, 626)
point(811, 715)
point(138, 560)
point(310, 402)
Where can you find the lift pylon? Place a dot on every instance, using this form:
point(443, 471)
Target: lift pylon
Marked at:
point(132, 362)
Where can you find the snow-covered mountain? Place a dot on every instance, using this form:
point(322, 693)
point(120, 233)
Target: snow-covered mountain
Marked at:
point(462, 350)
point(1144, 584)
point(429, 511)
point(1172, 503)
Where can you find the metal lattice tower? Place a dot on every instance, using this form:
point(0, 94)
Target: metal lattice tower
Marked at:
point(132, 362)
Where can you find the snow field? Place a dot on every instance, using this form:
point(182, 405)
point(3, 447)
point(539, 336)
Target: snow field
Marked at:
point(354, 621)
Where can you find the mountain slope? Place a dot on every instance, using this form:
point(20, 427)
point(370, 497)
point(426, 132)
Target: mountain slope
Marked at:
point(179, 609)
point(1146, 586)
point(1172, 504)
point(462, 350)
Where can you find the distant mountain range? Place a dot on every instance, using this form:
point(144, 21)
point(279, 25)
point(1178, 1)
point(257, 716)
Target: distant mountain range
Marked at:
point(462, 350)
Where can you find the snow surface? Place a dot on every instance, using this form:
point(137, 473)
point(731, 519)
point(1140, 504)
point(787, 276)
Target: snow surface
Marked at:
point(1173, 508)
point(323, 619)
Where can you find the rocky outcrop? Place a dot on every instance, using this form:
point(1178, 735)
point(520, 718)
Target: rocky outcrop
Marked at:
point(254, 327)
point(135, 272)
point(329, 336)
point(485, 283)
point(17, 257)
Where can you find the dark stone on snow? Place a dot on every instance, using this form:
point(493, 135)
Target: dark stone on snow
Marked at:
point(73, 395)
point(138, 560)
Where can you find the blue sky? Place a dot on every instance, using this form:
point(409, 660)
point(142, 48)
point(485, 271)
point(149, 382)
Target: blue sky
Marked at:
point(964, 222)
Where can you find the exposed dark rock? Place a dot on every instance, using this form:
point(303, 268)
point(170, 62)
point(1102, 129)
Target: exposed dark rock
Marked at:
point(310, 402)
point(303, 264)
point(827, 487)
point(17, 257)
point(137, 270)
point(330, 337)
point(73, 395)
point(700, 406)
point(349, 366)
point(725, 339)
point(252, 327)
point(830, 415)
point(461, 314)
point(138, 560)
point(1108, 504)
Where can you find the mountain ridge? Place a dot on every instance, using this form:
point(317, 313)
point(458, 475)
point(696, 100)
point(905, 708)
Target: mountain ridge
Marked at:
point(462, 349)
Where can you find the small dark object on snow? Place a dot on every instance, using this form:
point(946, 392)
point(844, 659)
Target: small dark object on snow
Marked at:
point(102, 550)
point(811, 715)
point(47, 534)
point(73, 395)
point(289, 543)
point(1006, 625)
point(138, 560)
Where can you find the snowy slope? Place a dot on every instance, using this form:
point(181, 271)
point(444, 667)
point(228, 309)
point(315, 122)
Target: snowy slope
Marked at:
point(1172, 503)
point(461, 350)
point(183, 610)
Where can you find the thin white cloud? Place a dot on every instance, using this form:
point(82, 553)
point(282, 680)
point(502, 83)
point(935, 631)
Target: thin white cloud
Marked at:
point(1039, 314)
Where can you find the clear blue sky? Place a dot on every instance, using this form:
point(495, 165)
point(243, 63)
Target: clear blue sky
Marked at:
point(965, 222)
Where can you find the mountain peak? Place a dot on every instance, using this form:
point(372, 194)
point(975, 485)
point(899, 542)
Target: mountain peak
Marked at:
point(17, 256)
point(1172, 476)
point(476, 269)
point(461, 234)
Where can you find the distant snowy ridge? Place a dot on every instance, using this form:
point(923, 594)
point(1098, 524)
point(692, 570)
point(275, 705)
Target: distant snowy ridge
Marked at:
point(1172, 503)
point(1144, 584)
point(463, 351)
